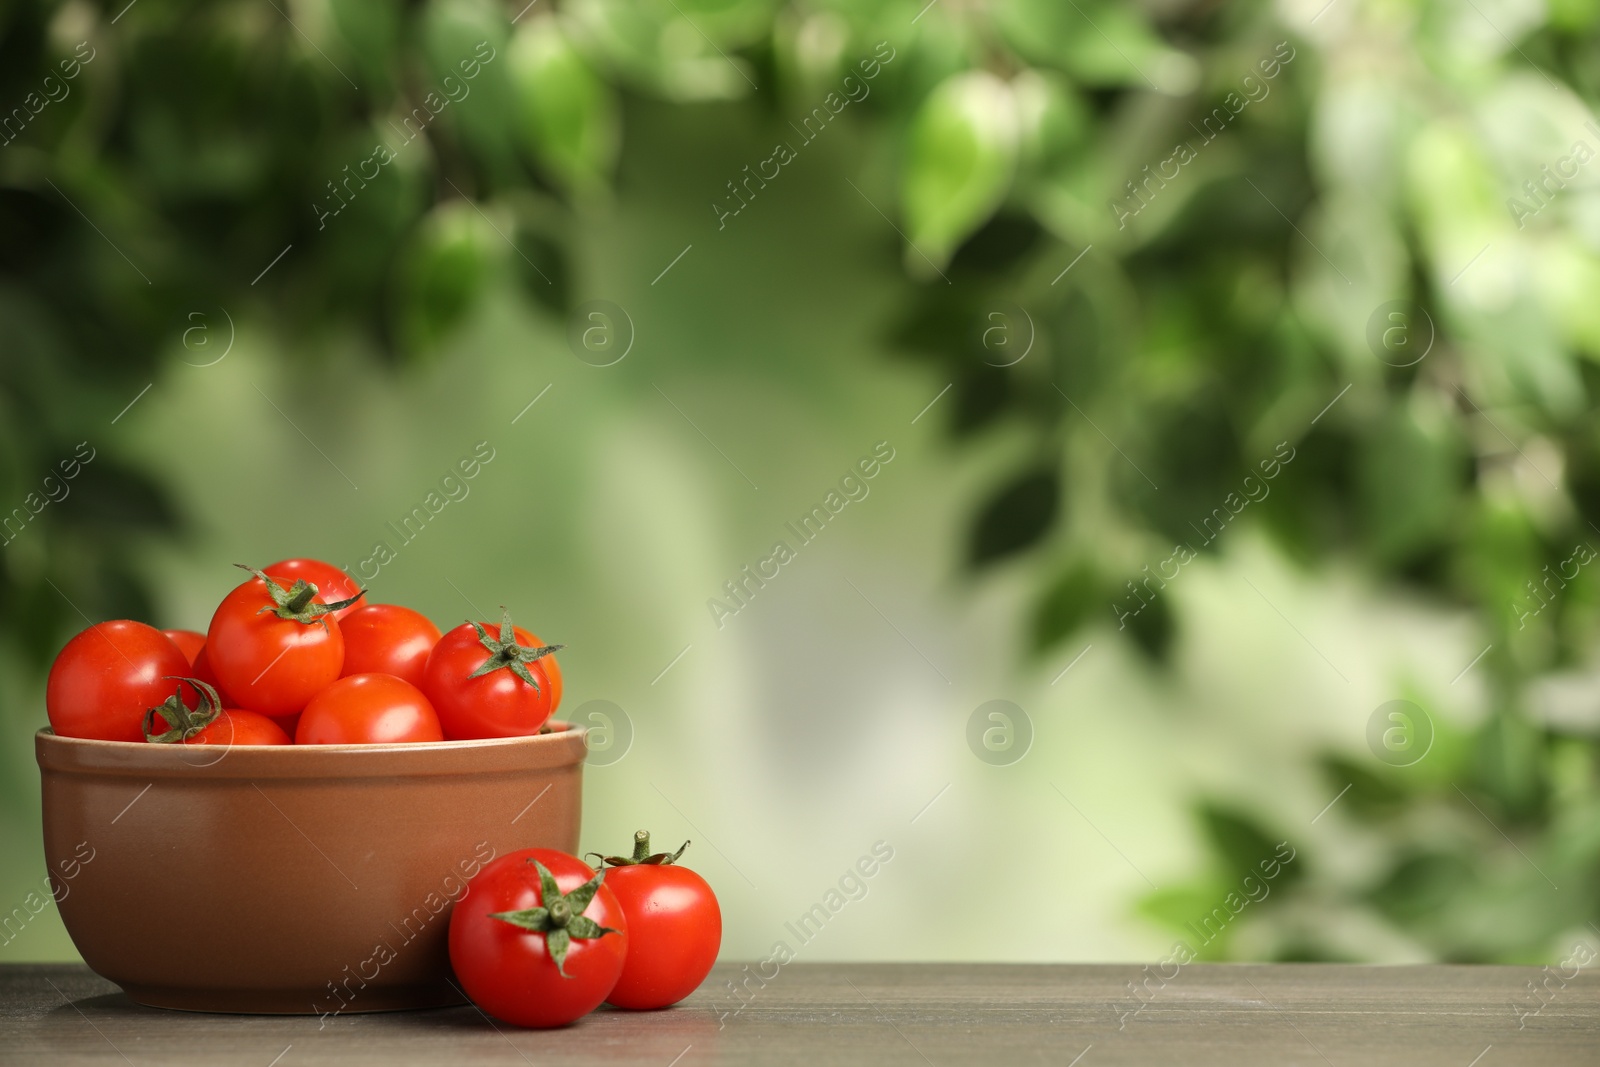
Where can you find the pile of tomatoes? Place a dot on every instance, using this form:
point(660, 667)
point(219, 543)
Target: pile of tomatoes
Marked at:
point(296, 655)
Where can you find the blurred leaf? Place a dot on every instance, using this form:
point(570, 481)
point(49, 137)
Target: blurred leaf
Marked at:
point(1150, 627)
point(109, 495)
point(372, 35)
point(1100, 42)
point(1177, 906)
point(1016, 517)
point(1412, 471)
point(1420, 883)
point(1574, 16)
point(568, 116)
point(442, 273)
point(469, 83)
point(1509, 768)
point(1370, 796)
point(541, 263)
point(960, 156)
point(1074, 597)
point(1052, 121)
point(1242, 844)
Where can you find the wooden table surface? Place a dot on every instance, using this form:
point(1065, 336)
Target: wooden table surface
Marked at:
point(916, 1014)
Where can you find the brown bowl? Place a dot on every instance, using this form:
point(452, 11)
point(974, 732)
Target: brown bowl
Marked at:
point(301, 879)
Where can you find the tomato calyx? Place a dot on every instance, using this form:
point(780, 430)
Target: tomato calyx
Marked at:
point(183, 723)
point(560, 918)
point(297, 602)
point(504, 652)
point(642, 853)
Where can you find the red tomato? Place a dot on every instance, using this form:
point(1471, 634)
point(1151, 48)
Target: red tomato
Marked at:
point(387, 639)
point(332, 584)
point(236, 726)
point(209, 723)
point(486, 686)
point(537, 940)
point(552, 671)
point(188, 641)
point(105, 678)
point(202, 670)
point(674, 927)
point(273, 647)
point(368, 709)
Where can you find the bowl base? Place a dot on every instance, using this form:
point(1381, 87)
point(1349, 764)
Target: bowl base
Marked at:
point(292, 1001)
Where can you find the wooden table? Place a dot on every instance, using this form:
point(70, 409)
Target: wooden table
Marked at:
point(916, 1014)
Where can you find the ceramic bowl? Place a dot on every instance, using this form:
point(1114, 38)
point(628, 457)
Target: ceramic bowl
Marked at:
point(299, 879)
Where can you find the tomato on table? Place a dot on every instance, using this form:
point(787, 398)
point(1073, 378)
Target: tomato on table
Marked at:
point(538, 939)
point(208, 722)
point(368, 709)
point(486, 686)
point(334, 586)
point(103, 680)
point(189, 642)
point(674, 926)
point(387, 639)
point(273, 646)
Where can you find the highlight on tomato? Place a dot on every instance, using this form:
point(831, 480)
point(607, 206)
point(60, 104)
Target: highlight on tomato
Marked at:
point(538, 939)
point(208, 722)
point(273, 646)
point(674, 926)
point(368, 709)
point(105, 678)
point(487, 686)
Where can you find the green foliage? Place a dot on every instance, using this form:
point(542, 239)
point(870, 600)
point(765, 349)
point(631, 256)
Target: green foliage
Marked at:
point(961, 155)
point(1185, 313)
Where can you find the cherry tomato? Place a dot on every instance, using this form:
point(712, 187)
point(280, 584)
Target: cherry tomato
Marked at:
point(236, 726)
point(188, 641)
point(552, 671)
point(208, 722)
point(487, 686)
point(105, 678)
point(368, 709)
point(674, 927)
point(201, 669)
point(332, 584)
point(537, 940)
point(387, 639)
point(273, 647)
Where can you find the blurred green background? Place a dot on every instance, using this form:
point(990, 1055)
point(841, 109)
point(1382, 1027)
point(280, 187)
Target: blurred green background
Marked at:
point(1235, 360)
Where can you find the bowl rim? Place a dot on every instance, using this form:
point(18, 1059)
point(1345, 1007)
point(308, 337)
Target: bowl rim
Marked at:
point(564, 745)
